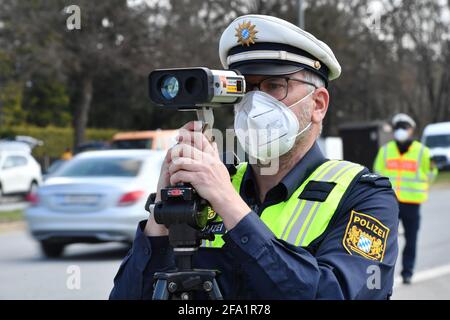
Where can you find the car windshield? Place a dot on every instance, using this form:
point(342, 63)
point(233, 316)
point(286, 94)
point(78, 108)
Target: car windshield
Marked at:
point(100, 167)
point(438, 141)
point(55, 166)
point(132, 144)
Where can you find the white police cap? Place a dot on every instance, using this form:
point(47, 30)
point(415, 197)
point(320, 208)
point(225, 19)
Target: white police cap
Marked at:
point(265, 45)
point(403, 117)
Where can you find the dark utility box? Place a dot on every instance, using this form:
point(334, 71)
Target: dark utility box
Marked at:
point(361, 141)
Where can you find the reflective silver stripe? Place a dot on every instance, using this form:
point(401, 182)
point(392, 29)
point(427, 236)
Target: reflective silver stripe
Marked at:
point(298, 224)
point(419, 162)
point(291, 218)
point(329, 164)
point(320, 204)
point(300, 220)
point(300, 202)
point(206, 243)
point(185, 249)
point(307, 227)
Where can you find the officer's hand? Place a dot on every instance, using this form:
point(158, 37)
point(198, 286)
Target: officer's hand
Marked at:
point(152, 228)
point(164, 176)
point(196, 161)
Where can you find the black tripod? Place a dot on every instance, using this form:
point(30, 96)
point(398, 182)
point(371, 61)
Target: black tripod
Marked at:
point(182, 283)
point(183, 212)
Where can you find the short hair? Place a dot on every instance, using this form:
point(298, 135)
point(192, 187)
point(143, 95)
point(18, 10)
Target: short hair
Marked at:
point(313, 78)
point(318, 82)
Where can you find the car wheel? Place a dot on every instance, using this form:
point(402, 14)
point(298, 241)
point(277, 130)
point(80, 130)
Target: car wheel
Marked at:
point(52, 249)
point(2, 195)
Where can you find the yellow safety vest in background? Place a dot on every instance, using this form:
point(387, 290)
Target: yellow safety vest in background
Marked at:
point(410, 173)
point(300, 221)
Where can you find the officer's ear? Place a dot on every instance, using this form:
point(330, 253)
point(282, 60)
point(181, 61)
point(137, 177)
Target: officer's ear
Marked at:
point(321, 98)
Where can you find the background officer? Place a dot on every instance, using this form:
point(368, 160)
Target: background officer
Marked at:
point(407, 164)
point(315, 229)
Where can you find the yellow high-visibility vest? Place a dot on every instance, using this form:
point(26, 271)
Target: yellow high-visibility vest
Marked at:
point(410, 173)
point(300, 221)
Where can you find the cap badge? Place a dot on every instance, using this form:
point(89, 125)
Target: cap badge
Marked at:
point(317, 65)
point(246, 33)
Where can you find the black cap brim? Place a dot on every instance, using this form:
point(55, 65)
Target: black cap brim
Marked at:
point(275, 67)
point(266, 68)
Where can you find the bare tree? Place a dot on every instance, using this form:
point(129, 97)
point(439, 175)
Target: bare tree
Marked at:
point(420, 42)
point(112, 35)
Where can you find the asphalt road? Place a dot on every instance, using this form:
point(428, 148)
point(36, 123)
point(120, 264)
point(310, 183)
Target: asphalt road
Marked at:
point(25, 274)
point(432, 278)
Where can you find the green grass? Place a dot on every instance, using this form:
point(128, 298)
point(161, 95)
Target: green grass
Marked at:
point(11, 216)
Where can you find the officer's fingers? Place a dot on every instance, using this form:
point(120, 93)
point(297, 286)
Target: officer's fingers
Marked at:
point(196, 139)
point(164, 172)
point(185, 164)
point(185, 150)
point(167, 158)
point(166, 162)
point(182, 176)
point(215, 150)
point(188, 151)
point(192, 126)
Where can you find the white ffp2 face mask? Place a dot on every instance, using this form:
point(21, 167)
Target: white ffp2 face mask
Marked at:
point(401, 135)
point(265, 127)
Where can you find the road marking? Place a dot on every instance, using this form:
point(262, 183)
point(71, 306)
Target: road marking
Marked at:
point(425, 275)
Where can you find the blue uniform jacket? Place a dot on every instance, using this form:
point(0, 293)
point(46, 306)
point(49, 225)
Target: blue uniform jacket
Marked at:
point(254, 264)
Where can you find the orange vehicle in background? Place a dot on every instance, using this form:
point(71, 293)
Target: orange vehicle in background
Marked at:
point(154, 139)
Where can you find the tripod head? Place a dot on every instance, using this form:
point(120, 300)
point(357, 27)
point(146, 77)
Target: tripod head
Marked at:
point(185, 214)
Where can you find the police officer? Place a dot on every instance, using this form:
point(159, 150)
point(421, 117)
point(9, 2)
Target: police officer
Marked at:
point(316, 228)
point(407, 163)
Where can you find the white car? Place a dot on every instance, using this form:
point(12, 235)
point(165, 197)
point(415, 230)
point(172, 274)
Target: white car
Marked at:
point(20, 173)
point(98, 196)
point(436, 136)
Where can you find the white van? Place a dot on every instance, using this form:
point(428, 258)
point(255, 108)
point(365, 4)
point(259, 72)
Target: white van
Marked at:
point(436, 136)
